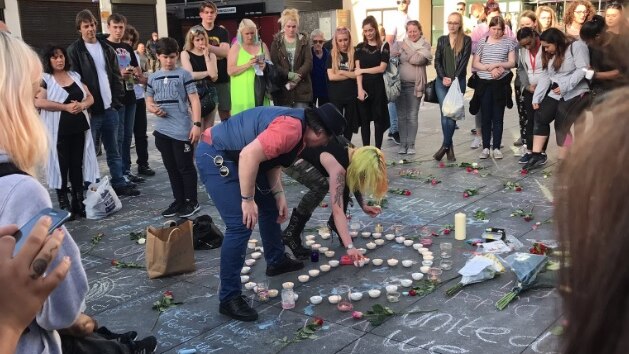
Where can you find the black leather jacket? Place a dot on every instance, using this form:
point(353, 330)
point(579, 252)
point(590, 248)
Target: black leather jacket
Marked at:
point(461, 59)
point(81, 61)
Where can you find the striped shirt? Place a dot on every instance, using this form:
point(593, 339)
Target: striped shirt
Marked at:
point(491, 53)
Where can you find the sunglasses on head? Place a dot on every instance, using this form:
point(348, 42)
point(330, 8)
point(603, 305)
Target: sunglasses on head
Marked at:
point(197, 30)
point(400, 2)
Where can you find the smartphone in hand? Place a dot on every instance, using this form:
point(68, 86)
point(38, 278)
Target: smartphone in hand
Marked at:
point(59, 217)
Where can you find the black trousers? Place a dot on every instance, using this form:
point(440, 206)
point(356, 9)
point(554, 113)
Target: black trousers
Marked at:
point(563, 113)
point(70, 153)
point(529, 121)
point(178, 158)
point(139, 133)
point(92, 344)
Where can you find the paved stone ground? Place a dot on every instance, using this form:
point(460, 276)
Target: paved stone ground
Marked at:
point(121, 299)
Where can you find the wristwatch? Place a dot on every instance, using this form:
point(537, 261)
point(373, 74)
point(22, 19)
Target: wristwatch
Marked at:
point(350, 246)
point(197, 124)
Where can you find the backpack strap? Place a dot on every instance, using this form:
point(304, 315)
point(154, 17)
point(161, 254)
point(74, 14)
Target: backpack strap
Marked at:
point(8, 168)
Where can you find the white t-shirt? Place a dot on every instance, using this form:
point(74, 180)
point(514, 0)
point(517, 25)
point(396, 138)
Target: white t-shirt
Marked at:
point(397, 27)
point(96, 51)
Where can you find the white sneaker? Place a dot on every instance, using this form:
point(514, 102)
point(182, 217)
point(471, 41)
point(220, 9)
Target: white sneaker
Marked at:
point(410, 151)
point(484, 154)
point(476, 142)
point(521, 151)
point(497, 154)
point(402, 150)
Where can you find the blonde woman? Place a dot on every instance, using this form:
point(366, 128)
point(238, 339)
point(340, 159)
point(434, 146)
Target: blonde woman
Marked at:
point(342, 87)
point(201, 63)
point(546, 18)
point(291, 54)
point(451, 59)
point(415, 55)
point(24, 147)
point(245, 60)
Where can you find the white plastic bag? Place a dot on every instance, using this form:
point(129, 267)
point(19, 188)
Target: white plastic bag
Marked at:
point(454, 104)
point(101, 200)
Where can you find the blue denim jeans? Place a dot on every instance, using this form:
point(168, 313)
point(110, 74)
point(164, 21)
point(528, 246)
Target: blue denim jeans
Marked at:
point(105, 125)
point(447, 124)
point(126, 116)
point(392, 118)
point(492, 120)
point(225, 192)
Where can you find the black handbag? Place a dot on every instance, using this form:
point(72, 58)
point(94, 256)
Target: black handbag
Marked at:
point(472, 82)
point(430, 93)
point(207, 97)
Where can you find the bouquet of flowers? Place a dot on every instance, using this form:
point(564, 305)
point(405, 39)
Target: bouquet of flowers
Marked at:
point(478, 269)
point(526, 267)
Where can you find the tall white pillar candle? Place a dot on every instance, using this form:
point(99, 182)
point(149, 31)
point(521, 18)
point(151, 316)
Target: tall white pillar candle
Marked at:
point(460, 222)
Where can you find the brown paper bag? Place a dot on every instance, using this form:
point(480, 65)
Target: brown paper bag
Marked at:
point(169, 250)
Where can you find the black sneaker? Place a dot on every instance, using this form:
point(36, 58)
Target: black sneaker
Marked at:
point(544, 159)
point(238, 308)
point(396, 138)
point(172, 209)
point(128, 190)
point(125, 338)
point(390, 136)
point(286, 266)
point(145, 170)
point(188, 209)
point(134, 178)
point(535, 161)
point(525, 158)
point(144, 346)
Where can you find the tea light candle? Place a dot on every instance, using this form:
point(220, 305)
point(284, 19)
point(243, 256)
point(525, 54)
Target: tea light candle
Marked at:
point(356, 296)
point(460, 223)
point(377, 235)
point(334, 299)
point(313, 272)
point(250, 262)
point(379, 242)
point(424, 269)
point(400, 239)
point(244, 278)
point(288, 285)
point(324, 268)
point(391, 288)
point(374, 293)
point(406, 282)
point(329, 254)
point(310, 237)
point(273, 293)
point(325, 235)
point(315, 246)
point(389, 237)
point(365, 234)
point(393, 297)
point(371, 245)
point(303, 278)
point(408, 243)
point(245, 270)
point(417, 246)
point(315, 300)
point(333, 263)
point(377, 261)
point(309, 243)
point(353, 233)
point(256, 255)
point(392, 262)
point(407, 263)
point(249, 285)
point(428, 258)
point(252, 244)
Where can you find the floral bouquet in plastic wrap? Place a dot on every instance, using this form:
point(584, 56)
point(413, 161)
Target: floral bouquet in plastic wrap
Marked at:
point(477, 269)
point(526, 267)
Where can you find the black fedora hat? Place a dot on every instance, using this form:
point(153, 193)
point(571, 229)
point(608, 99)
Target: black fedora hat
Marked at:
point(332, 119)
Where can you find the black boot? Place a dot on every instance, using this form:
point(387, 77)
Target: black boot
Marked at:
point(292, 235)
point(78, 208)
point(64, 202)
point(332, 227)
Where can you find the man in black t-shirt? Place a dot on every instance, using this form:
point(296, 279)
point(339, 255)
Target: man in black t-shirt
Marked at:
point(219, 45)
point(130, 71)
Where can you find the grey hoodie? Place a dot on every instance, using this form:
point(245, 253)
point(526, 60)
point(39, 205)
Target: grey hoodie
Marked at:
point(21, 198)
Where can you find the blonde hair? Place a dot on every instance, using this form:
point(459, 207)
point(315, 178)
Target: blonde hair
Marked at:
point(194, 32)
point(289, 15)
point(367, 172)
point(244, 24)
point(336, 53)
point(553, 17)
point(23, 136)
point(460, 36)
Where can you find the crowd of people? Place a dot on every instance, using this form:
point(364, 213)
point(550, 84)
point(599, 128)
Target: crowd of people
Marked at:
point(99, 89)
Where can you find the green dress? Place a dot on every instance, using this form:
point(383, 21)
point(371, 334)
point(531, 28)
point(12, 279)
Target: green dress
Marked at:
point(242, 85)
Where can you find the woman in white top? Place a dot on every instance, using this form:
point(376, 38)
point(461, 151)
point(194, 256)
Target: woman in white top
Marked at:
point(560, 92)
point(494, 57)
point(529, 72)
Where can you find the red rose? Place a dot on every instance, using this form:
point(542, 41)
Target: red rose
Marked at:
point(465, 195)
point(407, 192)
point(518, 189)
point(524, 171)
point(528, 218)
point(475, 171)
point(442, 164)
point(168, 293)
point(412, 292)
point(446, 231)
point(468, 169)
point(114, 262)
point(318, 321)
point(434, 182)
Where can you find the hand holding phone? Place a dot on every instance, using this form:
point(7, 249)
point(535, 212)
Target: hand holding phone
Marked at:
point(58, 217)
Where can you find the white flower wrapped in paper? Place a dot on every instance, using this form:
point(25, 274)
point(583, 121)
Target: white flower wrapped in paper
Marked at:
point(477, 269)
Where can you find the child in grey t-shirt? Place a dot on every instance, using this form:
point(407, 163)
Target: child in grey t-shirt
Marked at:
point(168, 93)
